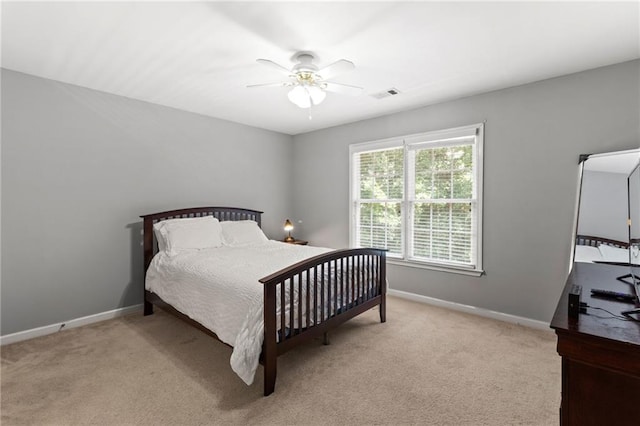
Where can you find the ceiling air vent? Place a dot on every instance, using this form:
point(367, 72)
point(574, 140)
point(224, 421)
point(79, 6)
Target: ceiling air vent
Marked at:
point(385, 94)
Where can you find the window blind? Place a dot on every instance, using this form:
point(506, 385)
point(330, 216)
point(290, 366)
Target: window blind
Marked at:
point(420, 197)
point(379, 201)
point(442, 202)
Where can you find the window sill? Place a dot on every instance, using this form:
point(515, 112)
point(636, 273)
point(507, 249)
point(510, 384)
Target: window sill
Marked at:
point(441, 268)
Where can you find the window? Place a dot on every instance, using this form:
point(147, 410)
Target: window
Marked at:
point(420, 197)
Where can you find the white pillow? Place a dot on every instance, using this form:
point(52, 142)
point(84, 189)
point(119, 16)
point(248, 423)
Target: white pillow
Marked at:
point(191, 233)
point(242, 232)
point(162, 244)
point(613, 254)
point(587, 254)
point(635, 254)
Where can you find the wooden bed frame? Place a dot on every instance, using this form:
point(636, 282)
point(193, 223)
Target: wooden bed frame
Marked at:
point(589, 240)
point(360, 274)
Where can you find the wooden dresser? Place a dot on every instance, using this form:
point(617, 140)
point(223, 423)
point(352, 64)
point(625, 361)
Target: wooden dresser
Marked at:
point(600, 354)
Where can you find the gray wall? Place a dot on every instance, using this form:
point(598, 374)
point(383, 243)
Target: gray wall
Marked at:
point(80, 166)
point(603, 205)
point(533, 136)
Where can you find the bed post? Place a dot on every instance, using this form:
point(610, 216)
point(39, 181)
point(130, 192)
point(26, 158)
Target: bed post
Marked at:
point(147, 242)
point(383, 286)
point(269, 348)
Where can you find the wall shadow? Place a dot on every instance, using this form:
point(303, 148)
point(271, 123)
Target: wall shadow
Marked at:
point(133, 293)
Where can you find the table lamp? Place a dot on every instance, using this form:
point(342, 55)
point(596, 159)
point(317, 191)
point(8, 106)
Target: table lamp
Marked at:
point(288, 226)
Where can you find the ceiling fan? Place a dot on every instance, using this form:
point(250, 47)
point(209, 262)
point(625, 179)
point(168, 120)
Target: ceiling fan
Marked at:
point(309, 83)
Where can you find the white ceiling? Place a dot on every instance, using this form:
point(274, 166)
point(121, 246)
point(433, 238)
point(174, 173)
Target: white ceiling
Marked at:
point(200, 56)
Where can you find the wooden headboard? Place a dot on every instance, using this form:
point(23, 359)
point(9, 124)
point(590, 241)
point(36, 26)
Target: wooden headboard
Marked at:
point(588, 240)
point(221, 213)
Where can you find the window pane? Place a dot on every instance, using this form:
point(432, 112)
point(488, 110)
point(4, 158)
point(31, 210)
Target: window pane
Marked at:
point(423, 174)
point(444, 173)
point(381, 174)
point(424, 159)
point(422, 230)
point(440, 245)
point(462, 184)
point(462, 156)
point(442, 231)
point(441, 159)
point(381, 226)
point(461, 218)
point(423, 186)
point(367, 185)
point(441, 217)
point(366, 175)
point(441, 185)
point(461, 248)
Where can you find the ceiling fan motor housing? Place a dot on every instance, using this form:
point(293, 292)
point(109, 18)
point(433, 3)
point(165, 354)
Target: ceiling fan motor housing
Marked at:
point(305, 64)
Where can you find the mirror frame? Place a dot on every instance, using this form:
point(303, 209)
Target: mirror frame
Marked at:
point(581, 163)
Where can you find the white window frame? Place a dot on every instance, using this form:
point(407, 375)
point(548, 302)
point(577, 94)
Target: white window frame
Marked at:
point(413, 142)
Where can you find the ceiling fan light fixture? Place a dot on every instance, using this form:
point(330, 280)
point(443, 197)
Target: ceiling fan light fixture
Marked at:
point(299, 96)
point(305, 96)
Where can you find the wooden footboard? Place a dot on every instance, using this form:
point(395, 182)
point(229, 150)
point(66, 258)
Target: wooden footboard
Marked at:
point(311, 297)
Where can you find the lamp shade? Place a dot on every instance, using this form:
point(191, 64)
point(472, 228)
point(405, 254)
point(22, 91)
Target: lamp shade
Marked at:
point(304, 95)
point(299, 96)
point(288, 226)
point(316, 94)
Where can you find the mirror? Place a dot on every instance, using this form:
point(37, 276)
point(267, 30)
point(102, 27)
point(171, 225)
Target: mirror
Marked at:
point(607, 191)
point(634, 226)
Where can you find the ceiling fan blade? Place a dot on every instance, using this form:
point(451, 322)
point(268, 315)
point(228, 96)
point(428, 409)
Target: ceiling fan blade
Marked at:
point(344, 89)
point(275, 66)
point(274, 84)
point(335, 68)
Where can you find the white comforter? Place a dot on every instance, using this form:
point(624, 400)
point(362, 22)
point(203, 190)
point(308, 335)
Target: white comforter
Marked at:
point(602, 253)
point(219, 288)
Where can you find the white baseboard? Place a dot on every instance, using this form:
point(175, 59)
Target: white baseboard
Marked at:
point(78, 322)
point(528, 322)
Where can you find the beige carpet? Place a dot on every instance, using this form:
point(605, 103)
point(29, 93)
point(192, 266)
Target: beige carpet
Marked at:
point(426, 365)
